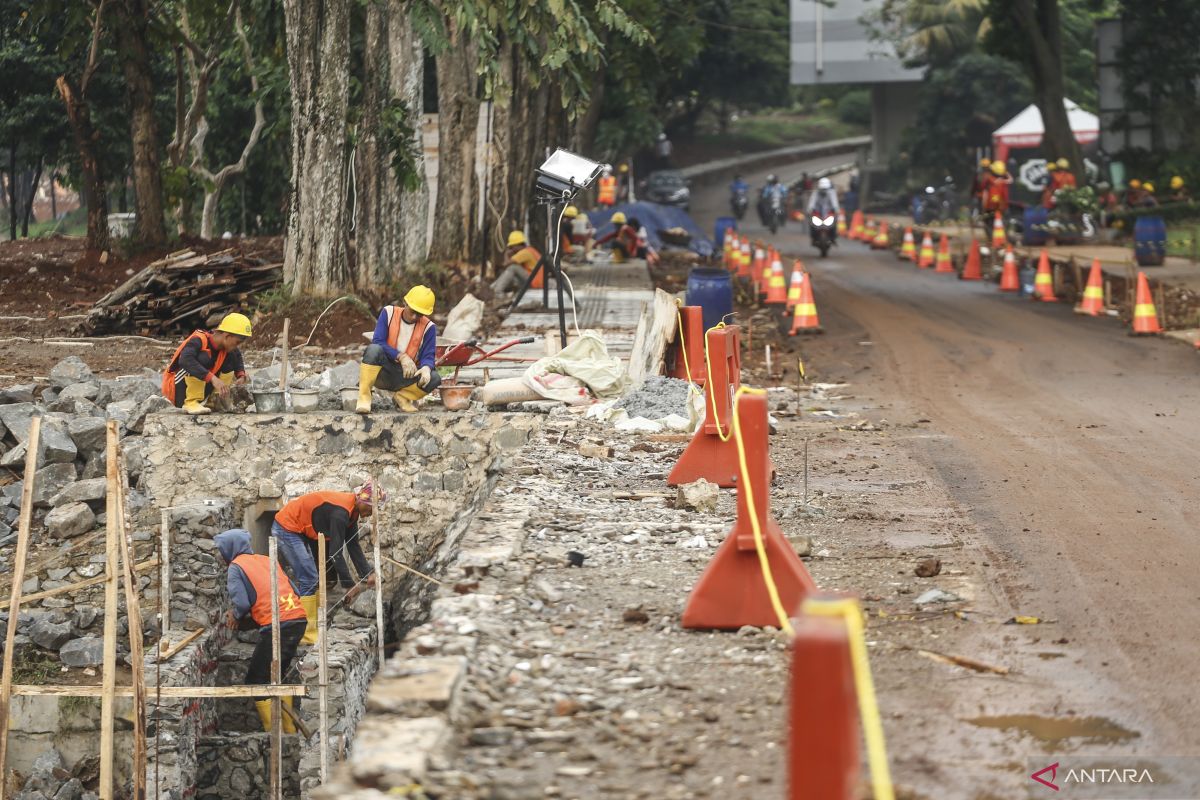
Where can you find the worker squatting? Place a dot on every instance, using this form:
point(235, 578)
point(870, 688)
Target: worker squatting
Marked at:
point(199, 377)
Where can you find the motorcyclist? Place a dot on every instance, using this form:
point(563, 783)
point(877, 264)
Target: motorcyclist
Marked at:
point(738, 194)
point(822, 203)
point(772, 190)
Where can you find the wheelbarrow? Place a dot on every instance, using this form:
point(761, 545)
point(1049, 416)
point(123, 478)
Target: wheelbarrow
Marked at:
point(470, 353)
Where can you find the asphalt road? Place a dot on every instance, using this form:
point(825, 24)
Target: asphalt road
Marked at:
point(1071, 445)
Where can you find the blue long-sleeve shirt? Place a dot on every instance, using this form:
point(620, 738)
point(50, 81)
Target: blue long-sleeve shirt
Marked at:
point(231, 544)
point(427, 357)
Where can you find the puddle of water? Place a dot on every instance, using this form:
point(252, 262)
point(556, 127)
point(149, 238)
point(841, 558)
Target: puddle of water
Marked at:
point(1051, 656)
point(1052, 732)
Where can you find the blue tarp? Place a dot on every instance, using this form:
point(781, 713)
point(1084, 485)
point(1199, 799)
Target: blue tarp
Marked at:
point(654, 218)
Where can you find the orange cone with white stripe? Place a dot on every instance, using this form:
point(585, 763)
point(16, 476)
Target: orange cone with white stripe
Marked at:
point(756, 269)
point(768, 270)
point(777, 288)
point(841, 223)
point(998, 238)
point(944, 263)
point(804, 316)
point(856, 225)
point(1092, 303)
point(1145, 316)
point(727, 250)
point(793, 295)
point(1010, 281)
point(868, 234)
point(973, 269)
point(882, 238)
point(908, 248)
point(925, 259)
point(743, 266)
point(1043, 283)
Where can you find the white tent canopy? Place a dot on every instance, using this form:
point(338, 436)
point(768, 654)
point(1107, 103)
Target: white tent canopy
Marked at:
point(1026, 129)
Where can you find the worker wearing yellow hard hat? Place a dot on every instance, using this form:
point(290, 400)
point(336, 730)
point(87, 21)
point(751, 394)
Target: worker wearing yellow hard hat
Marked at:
point(402, 355)
point(520, 259)
point(998, 168)
point(985, 163)
point(207, 364)
point(1179, 192)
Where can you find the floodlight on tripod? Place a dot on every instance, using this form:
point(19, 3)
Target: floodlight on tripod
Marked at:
point(564, 174)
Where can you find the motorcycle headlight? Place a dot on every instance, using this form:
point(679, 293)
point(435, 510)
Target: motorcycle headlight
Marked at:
point(817, 221)
point(829, 221)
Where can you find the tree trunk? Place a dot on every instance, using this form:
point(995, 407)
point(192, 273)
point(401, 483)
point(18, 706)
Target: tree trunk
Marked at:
point(458, 118)
point(506, 106)
point(318, 43)
point(132, 35)
point(95, 195)
point(1039, 21)
point(27, 211)
point(390, 225)
point(54, 195)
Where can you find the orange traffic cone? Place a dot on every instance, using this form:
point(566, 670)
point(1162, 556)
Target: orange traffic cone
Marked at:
point(727, 250)
point(998, 238)
point(944, 263)
point(756, 269)
point(793, 296)
point(973, 269)
point(908, 249)
point(925, 259)
point(1093, 294)
point(744, 258)
point(1043, 283)
point(1145, 317)
point(1010, 281)
point(841, 223)
point(804, 316)
point(856, 225)
point(882, 238)
point(777, 289)
point(765, 279)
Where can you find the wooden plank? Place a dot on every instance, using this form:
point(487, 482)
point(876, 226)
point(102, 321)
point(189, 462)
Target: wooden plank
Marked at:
point(378, 577)
point(323, 652)
point(168, 692)
point(656, 330)
point(133, 611)
point(276, 676)
point(418, 573)
point(32, 445)
point(169, 651)
point(109, 664)
point(83, 584)
point(164, 575)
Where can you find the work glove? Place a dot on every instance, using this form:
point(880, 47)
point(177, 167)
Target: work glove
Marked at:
point(424, 374)
point(407, 366)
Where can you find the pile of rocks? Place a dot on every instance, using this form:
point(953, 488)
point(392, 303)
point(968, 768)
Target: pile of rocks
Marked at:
point(51, 780)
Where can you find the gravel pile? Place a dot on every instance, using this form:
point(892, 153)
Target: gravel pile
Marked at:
point(657, 398)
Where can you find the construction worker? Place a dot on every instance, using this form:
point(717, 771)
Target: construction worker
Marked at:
point(981, 177)
point(624, 237)
point(1051, 185)
point(402, 355)
point(623, 183)
point(1064, 176)
point(582, 231)
point(520, 259)
point(1148, 200)
point(248, 581)
point(1132, 197)
point(334, 515)
point(207, 363)
point(996, 190)
point(606, 189)
point(1179, 192)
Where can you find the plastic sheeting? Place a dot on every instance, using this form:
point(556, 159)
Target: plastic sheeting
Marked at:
point(654, 217)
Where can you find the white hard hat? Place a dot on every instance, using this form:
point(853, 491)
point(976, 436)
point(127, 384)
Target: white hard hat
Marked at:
point(824, 183)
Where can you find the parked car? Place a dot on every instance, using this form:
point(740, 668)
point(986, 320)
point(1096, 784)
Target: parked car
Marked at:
point(667, 187)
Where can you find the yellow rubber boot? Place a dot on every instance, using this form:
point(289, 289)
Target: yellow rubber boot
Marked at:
point(225, 403)
point(193, 398)
point(406, 399)
point(309, 603)
point(367, 375)
point(264, 713)
point(288, 725)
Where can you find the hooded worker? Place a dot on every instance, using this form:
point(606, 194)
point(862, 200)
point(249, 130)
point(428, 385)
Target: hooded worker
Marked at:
point(334, 515)
point(207, 363)
point(402, 355)
point(248, 581)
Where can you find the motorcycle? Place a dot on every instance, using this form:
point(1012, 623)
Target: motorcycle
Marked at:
point(775, 213)
point(739, 202)
point(822, 231)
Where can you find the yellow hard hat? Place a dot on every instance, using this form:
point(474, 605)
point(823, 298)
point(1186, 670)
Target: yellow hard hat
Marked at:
point(1148, 186)
point(570, 212)
point(1063, 163)
point(1176, 182)
point(420, 299)
point(1051, 166)
point(998, 168)
point(516, 238)
point(624, 168)
point(237, 324)
point(1134, 183)
point(618, 218)
point(985, 162)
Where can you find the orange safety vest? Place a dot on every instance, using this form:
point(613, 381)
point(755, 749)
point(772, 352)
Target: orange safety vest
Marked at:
point(418, 334)
point(168, 381)
point(258, 571)
point(296, 516)
point(608, 191)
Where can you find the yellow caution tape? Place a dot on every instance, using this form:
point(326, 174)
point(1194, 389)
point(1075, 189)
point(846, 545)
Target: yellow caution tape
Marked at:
point(712, 394)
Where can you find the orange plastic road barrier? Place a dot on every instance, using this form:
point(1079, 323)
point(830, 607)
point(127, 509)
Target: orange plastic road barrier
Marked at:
point(712, 453)
point(1043, 282)
point(998, 238)
point(732, 591)
point(882, 238)
point(841, 223)
point(691, 330)
point(1145, 316)
point(856, 225)
point(973, 269)
point(777, 288)
point(1092, 303)
point(793, 295)
point(943, 262)
point(804, 315)
point(908, 248)
point(925, 258)
point(1010, 281)
point(823, 758)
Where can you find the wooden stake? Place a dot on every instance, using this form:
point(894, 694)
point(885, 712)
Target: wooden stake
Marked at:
point(32, 446)
point(1160, 296)
point(283, 369)
point(109, 667)
point(133, 610)
point(323, 648)
point(420, 574)
point(164, 574)
point(378, 580)
point(83, 584)
point(1107, 293)
point(276, 676)
point(166, 653)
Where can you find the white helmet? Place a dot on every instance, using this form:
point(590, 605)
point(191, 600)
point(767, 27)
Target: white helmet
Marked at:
point(824, 183)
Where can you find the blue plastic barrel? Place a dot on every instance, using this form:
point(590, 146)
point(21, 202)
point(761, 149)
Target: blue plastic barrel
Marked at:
point(712, 290)
point(1035, 222)
point(1150, 241)
point(723, 224)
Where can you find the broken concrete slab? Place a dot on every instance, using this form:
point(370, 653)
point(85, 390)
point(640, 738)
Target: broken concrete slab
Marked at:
point(417, 687)
point(396, 753)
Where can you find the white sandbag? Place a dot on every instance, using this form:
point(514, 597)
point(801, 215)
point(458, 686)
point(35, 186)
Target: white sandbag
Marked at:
point(587, 360)
point(464, 319)
point(506, 390)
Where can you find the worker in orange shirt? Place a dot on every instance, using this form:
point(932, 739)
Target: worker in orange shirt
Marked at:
point(520, 259)
point(995, 186)
point(1066, 178)
point(979, 182)
point(607, 189)
point(624, 236)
